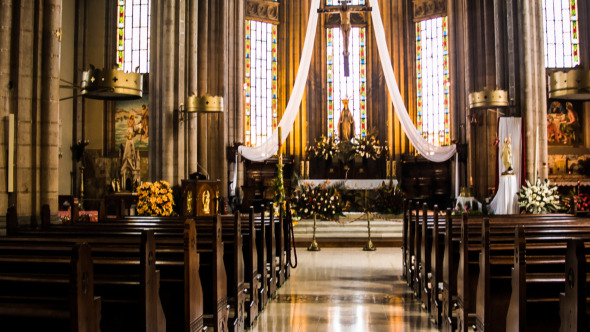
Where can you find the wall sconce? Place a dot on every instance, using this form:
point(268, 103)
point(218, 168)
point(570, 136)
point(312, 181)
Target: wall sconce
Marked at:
point(570, 85)
point(204, 104)
point(111, 84)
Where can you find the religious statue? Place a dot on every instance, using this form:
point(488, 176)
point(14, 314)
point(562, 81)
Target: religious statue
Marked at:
point(346, 123)
point(506, 155)
point(206, 202)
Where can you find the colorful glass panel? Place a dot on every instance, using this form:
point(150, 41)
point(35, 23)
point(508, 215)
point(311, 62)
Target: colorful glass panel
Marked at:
point(432, 76)
point(133, 35)
point(261, 85)
point(561, 28)
point(353, 87)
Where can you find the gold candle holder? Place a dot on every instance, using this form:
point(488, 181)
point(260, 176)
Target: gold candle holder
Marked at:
point(302, 169)
point(307, 169)
point(388, 172)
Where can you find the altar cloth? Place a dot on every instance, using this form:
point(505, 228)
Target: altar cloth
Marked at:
point(506, 200)
point(350, 184)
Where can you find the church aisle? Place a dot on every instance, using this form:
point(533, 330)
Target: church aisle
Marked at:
point(345, 289)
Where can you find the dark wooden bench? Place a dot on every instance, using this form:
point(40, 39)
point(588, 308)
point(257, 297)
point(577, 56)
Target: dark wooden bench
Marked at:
point(55, 293)
point(574, 302)
point(176, 257)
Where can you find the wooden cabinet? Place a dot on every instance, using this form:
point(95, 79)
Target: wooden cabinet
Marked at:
point(426, 180)
point(258, 180)
point(200, 197)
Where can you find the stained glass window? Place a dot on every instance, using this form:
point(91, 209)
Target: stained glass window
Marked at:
point(133, 35)
point(353, 87)
point(561, 33)
point(260, 87)
point(432, 73)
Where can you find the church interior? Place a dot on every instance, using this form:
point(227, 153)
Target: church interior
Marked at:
point(215, 133)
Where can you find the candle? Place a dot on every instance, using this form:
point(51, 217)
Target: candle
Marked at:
point(307, 169)
point(302, 169)
point(388, 172)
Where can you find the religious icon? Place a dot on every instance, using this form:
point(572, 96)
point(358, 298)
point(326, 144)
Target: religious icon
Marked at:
point(206, 201)
point(563, 124)
point(346, 123)
point(506, 155)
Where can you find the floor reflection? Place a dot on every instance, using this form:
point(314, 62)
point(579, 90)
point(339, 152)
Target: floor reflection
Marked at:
point(345, 289)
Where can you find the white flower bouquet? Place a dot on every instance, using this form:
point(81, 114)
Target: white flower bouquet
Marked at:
point(539, 197)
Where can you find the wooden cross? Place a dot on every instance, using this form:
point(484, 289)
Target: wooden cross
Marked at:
point(345, 9)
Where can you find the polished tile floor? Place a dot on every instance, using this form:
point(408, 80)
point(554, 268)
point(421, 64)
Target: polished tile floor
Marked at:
point(345, 289)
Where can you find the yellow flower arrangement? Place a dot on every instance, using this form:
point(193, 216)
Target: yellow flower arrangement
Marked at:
point(155, 199)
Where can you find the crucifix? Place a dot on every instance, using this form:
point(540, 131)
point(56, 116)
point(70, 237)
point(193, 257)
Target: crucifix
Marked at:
point(345, 9)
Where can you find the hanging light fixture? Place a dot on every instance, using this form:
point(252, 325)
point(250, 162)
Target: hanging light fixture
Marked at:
point(111, 84)
point(488, 99)
point(204, 104)
point(570, 85)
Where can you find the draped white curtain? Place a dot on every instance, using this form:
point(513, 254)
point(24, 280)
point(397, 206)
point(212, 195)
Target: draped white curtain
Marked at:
point(270, 147)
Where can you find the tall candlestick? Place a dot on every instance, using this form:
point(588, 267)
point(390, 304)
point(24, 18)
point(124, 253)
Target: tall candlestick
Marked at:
point(302, 169)
point(307, 169)
point(388, 172)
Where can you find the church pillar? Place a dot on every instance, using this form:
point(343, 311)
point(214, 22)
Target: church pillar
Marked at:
point(49, 143)
point(5, 87)
point(203, 45)
point(167, 80)
point(25, 64)
point(533, 82)
point(192, 81)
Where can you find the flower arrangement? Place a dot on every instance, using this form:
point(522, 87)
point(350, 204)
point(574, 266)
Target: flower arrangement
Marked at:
point(388, 199)
point(367, 147)
point(325, 148)
point(323, 201)
point(582, 202)
point(539, 197)
point(155, 199)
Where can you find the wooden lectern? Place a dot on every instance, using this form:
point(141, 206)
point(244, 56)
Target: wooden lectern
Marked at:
point(200, 198)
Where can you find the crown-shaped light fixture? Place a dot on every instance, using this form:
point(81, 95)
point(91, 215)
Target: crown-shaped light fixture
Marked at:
point(570, 85)
point(111, 84)
point(204, 104)
point(488, 99)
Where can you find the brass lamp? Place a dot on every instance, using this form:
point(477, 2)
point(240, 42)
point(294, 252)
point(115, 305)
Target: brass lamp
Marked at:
point(204, 104)
point(111, 84)
point(570, 85)
point(488, 99)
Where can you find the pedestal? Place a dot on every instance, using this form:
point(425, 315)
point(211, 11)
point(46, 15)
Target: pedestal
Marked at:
point(506, 200)
point(200, 198)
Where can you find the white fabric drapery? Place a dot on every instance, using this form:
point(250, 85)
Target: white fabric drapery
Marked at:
point(270, 146)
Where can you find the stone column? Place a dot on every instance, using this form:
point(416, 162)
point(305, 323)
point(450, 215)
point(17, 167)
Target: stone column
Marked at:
point(25, 109)
point(5, 86)
point(534, 104)
point(203, 32)
point(49, 143)
point(192, 80)
point(167, 92)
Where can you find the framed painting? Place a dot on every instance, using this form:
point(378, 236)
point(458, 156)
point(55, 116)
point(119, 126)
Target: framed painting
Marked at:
point(564, 124)
point(132, 122)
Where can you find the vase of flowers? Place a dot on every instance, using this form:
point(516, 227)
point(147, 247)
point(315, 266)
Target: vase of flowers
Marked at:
point(539, 197)
point(155, 199)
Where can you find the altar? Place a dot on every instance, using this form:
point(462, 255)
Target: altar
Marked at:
point(365, 184)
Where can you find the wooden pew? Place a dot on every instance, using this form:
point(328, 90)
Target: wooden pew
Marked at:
point(176, 257)
point(574, 302)
point(537, 281)
point(56, 293)
point(125, 277)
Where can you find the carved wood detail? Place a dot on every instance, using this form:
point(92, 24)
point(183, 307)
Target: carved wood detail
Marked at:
point(426, 9)
point(262, 10)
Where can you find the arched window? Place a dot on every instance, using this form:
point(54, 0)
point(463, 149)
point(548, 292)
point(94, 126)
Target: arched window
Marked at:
point(432, 80)
point(133, 33)
point(561, 33)
point(261, 81)
point(353, 87)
